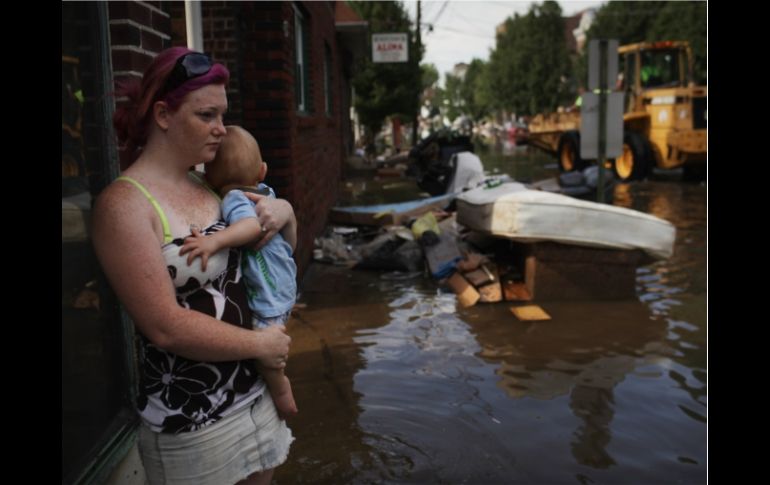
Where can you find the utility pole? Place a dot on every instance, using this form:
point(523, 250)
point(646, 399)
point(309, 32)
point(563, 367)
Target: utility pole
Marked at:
point(416, 125)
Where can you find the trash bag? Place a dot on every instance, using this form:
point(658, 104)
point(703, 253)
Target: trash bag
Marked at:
point(392, 253)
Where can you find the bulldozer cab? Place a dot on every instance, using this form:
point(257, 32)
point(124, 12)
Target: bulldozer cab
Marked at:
point(653, 65)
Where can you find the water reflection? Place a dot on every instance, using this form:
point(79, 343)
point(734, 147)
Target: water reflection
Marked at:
point(675, 289)
point(330, 446)
point(584, 352)
point(523, 163)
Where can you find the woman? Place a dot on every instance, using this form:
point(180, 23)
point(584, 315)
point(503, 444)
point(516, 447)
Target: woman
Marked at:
point(206, 415)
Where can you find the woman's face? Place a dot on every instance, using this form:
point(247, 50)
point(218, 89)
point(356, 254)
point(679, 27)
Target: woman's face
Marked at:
point(197, 126)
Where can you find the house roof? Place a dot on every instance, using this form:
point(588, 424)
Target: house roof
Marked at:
point(344, 14)
point(351, 29)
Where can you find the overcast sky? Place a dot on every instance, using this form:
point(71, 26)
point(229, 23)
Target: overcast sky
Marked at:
point(464, 30)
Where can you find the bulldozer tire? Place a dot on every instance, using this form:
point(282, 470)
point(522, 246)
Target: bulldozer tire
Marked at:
point(569, 152)
point(634, 162)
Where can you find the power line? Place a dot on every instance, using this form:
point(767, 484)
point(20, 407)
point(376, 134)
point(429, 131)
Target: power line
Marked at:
point(456, 31)
point(446, 2)
point(475, 27)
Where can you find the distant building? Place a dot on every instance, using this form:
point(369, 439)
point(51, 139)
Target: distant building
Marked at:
point(460, 70)
point(576, 38)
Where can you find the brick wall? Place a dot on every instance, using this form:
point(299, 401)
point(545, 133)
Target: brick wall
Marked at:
point(138, 31)
point(316, 139)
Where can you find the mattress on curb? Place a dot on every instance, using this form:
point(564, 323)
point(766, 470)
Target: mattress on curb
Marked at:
point(515, 212)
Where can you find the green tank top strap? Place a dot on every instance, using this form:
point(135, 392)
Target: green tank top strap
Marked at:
point(198, 178)
point(166, 229)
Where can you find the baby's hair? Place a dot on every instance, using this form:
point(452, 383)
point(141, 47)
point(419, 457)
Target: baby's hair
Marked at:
point(238, 160)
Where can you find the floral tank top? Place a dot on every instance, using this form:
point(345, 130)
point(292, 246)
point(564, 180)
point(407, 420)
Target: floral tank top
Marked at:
point(178, 394)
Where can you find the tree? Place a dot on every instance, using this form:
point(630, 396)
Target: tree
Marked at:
point(456, 103)
point(387, 89)
point(483, 95)
point(530, 62)
point(429, 75)
point(473, 90)
point(629, 22)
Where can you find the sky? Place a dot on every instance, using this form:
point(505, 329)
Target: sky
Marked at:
point(464, 30)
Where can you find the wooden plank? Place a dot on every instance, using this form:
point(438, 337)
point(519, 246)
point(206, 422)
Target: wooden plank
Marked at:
point(478, 277)
point(491, 293)
point(530, 313)
point(490, 290)
point(516, 291)
point(466, 294)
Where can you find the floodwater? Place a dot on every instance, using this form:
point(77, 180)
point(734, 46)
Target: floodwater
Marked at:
point(397, 384)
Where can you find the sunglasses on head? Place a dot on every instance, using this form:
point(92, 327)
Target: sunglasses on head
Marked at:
point(187, 67)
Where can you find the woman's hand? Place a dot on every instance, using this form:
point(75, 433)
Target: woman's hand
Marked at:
point(276, 346)
point(274, 215)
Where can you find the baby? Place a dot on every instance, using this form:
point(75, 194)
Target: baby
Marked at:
point(270, 273)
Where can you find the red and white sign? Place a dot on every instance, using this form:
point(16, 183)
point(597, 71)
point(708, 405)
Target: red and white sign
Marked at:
point(390, 48)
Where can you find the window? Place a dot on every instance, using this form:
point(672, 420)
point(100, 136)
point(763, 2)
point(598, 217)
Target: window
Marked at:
point(98, 421)
point(660, 68)
point(327, 80)
point(301, 62)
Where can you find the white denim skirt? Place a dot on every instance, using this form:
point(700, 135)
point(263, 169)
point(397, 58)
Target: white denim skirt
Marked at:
point(253, 439)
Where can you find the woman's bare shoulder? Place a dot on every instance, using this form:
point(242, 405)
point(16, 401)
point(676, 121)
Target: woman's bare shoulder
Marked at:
point(117, 195)
point(121, 205)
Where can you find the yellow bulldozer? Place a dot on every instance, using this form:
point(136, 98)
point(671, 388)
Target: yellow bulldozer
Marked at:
point(664, 120)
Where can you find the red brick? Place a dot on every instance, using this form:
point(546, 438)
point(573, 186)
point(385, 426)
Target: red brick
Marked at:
point(151, 41)
point(160, 21)
point(124, 34)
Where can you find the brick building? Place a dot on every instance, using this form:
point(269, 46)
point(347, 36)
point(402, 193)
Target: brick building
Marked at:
point(290, 64)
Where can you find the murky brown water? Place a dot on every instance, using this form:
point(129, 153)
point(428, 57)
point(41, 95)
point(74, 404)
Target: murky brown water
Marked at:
point(396, 383)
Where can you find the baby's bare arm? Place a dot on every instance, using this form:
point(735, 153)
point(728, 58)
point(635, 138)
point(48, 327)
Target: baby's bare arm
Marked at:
point(235, 235)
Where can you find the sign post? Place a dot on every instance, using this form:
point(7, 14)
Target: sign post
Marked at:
point(601, 116)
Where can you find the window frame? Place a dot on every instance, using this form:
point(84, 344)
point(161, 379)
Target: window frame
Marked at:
point(328, 80)
point(301, 62)
point(114, 443)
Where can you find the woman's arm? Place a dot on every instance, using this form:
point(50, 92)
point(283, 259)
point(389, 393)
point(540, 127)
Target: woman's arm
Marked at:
point(126, 238)
point(275, 215)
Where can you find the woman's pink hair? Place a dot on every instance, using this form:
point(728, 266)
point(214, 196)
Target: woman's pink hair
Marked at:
point(132, 118)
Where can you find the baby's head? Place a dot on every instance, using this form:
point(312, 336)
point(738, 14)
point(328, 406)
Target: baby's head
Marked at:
point(238, 161)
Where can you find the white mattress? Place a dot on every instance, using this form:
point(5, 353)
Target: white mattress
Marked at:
point(515, 212)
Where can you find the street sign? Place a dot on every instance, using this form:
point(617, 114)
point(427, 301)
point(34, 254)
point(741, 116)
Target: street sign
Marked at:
point(390, 47)
point(594, 58)
point(589, 126)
